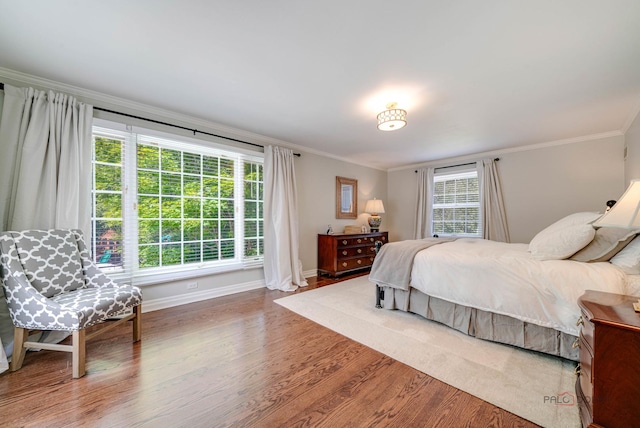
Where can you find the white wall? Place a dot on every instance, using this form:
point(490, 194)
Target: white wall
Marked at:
point(316, 181)
point(539, 186)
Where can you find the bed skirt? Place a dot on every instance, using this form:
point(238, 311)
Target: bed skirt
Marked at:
point(482, 324)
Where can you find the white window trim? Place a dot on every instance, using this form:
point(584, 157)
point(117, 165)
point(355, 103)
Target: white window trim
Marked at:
point(148, 276)
point(459, 173)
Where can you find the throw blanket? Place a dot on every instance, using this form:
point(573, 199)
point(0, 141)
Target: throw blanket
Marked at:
point(392, 266)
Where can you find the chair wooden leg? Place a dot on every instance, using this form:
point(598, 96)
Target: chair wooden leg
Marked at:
point(78, 353)
point(137, 323)
point(20, 336)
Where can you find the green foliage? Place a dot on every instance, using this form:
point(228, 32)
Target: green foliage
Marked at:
point(186, 203)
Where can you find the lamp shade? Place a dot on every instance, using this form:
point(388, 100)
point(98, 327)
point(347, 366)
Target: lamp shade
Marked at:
point(374, 206)
point(625, 213)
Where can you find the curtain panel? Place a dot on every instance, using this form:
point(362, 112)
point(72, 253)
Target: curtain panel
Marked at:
point(424, 203)
point(282, 267)
point(494, 217)
point(45, 169)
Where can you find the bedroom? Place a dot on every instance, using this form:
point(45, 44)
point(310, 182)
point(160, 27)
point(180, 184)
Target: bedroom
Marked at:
point(547, 173)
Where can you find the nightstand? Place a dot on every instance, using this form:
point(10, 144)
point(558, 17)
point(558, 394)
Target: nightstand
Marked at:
point(608, 385)
point(346, 253)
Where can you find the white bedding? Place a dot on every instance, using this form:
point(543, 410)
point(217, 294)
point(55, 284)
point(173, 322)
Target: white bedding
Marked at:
point(505, 279)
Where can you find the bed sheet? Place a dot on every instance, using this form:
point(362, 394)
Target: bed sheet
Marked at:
point(505, 279)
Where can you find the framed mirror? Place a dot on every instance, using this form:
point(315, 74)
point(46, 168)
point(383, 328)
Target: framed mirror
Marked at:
point(346, 197)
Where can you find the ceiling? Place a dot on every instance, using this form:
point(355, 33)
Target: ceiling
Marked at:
point(474, 76)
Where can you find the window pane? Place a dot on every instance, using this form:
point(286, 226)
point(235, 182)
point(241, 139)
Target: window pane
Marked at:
point(108, 150)
point(192, 207)
point(171, 231)
point(192, 252)
point(149, 256)
point(171, 161)
point(192, 185)
point(148, 207)
point(192, 230)
point(192, 163)
point(108, 177)
point(148, 231)
point(171, 207)
point(210, 229)
point(108, 205)
point(148, 157)
point(171, 184)
point(210, 166)
point(226, 188)
point(148, 182)
point(210, 187)
point(171, 254)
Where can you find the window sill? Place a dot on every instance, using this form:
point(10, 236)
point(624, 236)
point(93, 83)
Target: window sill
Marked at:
point(143, 279)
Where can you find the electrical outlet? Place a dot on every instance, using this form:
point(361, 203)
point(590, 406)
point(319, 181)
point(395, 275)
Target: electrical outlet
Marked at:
point(192, 285)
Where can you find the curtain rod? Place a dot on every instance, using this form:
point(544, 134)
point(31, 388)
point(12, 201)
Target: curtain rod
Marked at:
point(173, 125)
point(460, 164)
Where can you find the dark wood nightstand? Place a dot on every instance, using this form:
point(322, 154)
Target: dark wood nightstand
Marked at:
point(344, 253)
point(608, 385)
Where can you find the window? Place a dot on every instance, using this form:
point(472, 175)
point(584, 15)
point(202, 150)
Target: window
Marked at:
point(164, 205)
point(456, 204)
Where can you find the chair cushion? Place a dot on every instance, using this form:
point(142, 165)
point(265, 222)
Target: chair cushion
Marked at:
point(93, 305)
point(51, 260)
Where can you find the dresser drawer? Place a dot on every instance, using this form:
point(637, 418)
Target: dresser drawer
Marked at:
point(587, 330)
point(586, 368)
point(349, 264)
point(356, 251)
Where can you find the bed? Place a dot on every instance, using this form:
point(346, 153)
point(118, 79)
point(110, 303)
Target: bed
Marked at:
point(523, 295)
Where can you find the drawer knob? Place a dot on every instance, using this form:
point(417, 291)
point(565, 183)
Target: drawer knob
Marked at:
point(359, 241)
point(359, 261)
point(359, 250)
point(580, 321)
point(344, 253)
point(371, 239)
point(371, 258)
point(576, 343)
point(344, 264)
point(344, 242)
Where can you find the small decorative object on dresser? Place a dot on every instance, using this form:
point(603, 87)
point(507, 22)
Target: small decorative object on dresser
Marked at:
point(346, 253)
point(608, 385)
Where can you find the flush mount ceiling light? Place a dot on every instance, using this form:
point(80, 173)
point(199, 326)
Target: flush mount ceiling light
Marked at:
point(392, 118)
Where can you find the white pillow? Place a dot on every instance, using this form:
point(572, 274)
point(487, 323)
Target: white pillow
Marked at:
point(629, 258)
point(565, 237)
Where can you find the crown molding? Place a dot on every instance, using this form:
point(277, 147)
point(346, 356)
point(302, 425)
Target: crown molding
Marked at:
point(100, 99)
point(474, 157)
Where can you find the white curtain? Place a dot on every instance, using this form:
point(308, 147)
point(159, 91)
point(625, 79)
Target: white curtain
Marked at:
point(282, 267)
point(494, 218)
point(45, 167)
point(424, 198)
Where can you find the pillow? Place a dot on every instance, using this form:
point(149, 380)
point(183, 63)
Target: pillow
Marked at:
point(607, 242)
point(629, 258)
point(565, 237)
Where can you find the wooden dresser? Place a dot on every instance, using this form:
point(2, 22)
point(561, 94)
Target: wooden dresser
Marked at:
point(608, 385)
point(340, 254)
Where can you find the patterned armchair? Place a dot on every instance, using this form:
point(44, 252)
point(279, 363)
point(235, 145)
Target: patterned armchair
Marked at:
point(51, 283)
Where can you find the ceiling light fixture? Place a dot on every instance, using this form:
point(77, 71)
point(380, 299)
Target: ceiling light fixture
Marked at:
point(392, 118)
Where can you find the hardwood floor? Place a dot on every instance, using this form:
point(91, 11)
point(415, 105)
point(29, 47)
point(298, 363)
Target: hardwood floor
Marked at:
point(241, 361)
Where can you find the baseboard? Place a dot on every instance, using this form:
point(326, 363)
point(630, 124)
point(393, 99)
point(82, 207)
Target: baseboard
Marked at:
point(198, 296)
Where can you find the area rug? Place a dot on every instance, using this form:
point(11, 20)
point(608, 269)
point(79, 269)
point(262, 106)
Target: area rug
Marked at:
point(534, 386)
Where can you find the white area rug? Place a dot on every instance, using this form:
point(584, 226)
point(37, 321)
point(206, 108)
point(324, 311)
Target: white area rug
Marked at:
point(533, 386)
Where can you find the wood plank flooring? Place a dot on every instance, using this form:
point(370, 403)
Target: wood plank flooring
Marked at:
point(234, 361)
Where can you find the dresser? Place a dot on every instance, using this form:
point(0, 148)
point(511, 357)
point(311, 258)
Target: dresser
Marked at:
point(608, 385)
point(346, 253)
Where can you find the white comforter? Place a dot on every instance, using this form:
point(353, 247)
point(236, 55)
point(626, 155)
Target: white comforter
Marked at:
point(505, 279)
